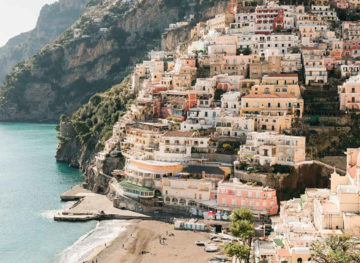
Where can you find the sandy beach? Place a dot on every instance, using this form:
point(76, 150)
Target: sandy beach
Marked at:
point(144, 235)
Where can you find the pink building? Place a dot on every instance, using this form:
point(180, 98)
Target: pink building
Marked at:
point(341, 4)
point(349, 94)
point(352, 48)
point(261, 200)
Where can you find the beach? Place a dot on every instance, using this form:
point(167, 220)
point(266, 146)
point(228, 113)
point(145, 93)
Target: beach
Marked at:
point(144, 235)
point(135, 238)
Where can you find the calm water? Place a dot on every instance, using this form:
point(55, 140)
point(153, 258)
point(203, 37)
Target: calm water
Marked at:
point(30, 185)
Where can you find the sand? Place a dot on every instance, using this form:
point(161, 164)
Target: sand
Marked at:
point(144, 235)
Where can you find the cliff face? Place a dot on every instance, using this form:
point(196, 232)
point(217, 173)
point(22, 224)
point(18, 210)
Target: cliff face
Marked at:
point(53, 20)
point(66, 73)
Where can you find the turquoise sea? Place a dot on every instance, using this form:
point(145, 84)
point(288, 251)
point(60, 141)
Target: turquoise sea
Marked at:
point(30, 185)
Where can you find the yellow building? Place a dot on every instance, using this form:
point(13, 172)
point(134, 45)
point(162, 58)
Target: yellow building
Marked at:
point(281, 104)
point(186, 192)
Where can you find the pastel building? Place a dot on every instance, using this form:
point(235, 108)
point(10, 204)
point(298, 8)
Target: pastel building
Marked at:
point(269, 18)
point(143, 177)
point(234, 126)
point(349, 70)
point(220, 21)
point(279, 104)
point(341, 209)
point(261, 200)
point(177, 146)
point(186, 192)
point(315, 70)
point(271, 148)
point(349, 94)
point(230, 102)
point(200, 118)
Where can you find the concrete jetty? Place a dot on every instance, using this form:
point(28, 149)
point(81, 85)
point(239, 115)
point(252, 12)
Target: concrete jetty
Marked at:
point(92, 206)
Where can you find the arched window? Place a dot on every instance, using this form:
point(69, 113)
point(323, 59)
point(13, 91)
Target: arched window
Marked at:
point(191, 203)
point(175, 201)
point(182, 202)
point(167, 200)
point(299, 260)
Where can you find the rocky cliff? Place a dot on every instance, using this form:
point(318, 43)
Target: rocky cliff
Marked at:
point(113, 35)
point(53, 20)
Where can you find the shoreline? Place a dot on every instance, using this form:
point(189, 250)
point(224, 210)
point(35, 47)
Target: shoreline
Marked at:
point(144, 236)
point(139, 237)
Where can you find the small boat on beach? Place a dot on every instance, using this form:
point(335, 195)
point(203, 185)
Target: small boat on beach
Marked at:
point(200, 243)
point(211, 248)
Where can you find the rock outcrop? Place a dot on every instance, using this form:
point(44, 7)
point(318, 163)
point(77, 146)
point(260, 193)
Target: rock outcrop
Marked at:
point(54, 19)
point(113, 36)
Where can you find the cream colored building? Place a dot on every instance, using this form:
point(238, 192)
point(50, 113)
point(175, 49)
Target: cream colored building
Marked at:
point(234, 126)
point(272, 148)
point(177, 146)
point(186, 192)
point(341, 209)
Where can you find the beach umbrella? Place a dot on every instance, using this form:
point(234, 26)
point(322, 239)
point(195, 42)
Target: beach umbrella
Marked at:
point(211, 213)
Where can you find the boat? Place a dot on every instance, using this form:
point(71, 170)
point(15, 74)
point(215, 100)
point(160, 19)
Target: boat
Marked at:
point(221, 257)
point(200, 243)
point(211, 248)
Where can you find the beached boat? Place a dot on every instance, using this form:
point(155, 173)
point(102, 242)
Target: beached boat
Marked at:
point(200, 243)
point(211, 248)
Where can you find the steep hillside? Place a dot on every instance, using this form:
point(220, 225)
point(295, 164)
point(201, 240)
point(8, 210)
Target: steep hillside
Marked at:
point(83, 134)
point(54, 19)
point(113, 36)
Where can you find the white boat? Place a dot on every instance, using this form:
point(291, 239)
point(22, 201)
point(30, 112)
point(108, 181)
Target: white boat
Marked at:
point(211, 248)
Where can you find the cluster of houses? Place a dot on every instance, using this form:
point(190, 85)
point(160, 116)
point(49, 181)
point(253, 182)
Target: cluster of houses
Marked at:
point(317, 214)
point(239, 80)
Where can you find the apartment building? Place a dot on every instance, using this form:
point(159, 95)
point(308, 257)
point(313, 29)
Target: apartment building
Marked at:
point(281, 104)
point(315, 70)
point(291, 63)
point(234, 126)
point(325, 12)
point(143, 177)
point(175, 104)
point(270, 66)
point(177, 146)
point(260, 200)
point(186, 192)
point(269, 148)
point(269, 18)
point(200, 118)
point(349, 70)
point(230, 102)
point(350, 30)
point(220, 21)
point(349, 94)
point(142, 138)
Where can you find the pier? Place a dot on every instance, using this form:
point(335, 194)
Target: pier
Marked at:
point(92, 206)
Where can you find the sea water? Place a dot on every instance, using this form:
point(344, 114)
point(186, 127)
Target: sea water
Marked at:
point(31, 182)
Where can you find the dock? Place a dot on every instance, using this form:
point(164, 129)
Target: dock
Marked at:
point(92, 206)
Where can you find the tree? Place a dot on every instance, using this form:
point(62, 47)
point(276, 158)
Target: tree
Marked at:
point(237, 250)
point(242, 214)
point(247, 51)
point(242, 229)
point(335, 249)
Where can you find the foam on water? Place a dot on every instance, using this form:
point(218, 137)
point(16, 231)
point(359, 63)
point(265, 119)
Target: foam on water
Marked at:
point(49, 214)
point(104, 232)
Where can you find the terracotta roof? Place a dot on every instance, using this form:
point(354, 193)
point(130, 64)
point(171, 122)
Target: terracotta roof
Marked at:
point(179, 134)
point(283, 253)
point(269, 96)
